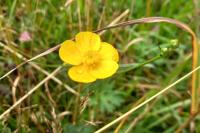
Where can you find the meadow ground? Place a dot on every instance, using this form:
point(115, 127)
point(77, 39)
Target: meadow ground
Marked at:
point(152, 56)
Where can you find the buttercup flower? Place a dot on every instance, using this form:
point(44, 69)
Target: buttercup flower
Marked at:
point(91, 58)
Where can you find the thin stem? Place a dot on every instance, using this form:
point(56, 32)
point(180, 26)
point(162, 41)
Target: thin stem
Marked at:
point(125, 118)
point(185, 124)
point(148, 8)
point(141, 64)
point(77, 105)
point(149, 61)
point(29, 93)
point(195, 52)
point(147, 101)
point(20, 56)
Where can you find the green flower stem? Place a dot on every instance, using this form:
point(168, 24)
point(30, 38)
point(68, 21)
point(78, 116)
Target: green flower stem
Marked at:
point(128, 67)
point(148, 61)
point(172, 44)
point(77, 104)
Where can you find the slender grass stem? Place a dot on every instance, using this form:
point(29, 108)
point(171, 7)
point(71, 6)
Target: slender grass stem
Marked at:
point(77, 105)
point(146, 101)
point(12, 10)
point(149, 61)
point(29, 93)
point(134, 66)
point(195, 52)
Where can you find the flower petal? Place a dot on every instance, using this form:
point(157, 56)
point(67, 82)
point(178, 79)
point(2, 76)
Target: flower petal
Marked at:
point(88, 41)
point(80, 74)
point(69, 53)
point(108, 52)
point(106, 68)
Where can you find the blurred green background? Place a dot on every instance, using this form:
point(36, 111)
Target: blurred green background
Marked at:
point(51, 108)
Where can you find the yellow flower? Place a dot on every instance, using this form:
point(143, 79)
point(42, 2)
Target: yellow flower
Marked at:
point(91, 58)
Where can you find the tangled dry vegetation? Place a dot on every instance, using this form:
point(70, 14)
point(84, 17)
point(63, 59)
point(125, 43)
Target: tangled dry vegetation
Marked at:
point(155, 89)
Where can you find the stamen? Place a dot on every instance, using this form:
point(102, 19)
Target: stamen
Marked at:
point(92, 59)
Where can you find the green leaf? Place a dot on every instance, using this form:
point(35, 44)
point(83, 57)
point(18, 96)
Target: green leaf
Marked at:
point(4, 129)
point(107, 98)
point(69, 128)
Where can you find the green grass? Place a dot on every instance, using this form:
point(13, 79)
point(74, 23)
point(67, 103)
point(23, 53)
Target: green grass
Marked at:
point(50, 23)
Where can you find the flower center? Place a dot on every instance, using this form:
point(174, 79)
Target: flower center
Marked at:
point(91, 59)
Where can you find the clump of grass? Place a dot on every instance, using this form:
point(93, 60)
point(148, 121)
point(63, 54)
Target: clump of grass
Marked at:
point(52, 110)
